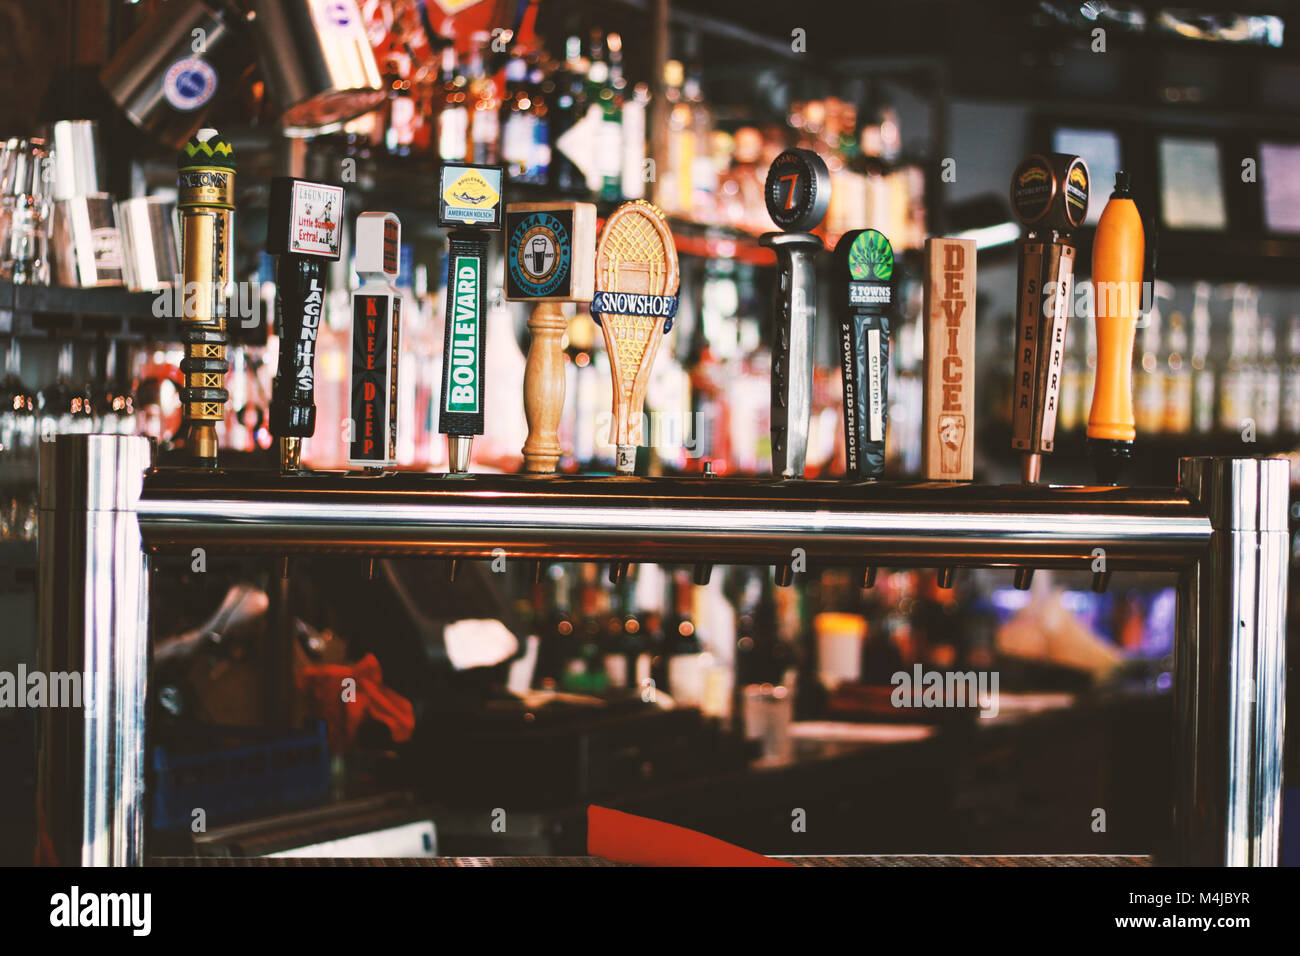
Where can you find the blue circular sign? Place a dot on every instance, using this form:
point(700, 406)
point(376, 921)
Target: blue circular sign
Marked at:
point(189, 83)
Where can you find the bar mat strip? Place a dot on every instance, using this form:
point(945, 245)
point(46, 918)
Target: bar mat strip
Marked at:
point(896, 860)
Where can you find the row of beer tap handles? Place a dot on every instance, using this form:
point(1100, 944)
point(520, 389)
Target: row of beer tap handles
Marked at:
point(628, 277)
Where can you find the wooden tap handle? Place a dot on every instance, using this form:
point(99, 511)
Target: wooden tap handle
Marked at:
point(544, 387)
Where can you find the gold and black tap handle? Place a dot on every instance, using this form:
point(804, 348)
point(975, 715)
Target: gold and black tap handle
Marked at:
point(205, 203)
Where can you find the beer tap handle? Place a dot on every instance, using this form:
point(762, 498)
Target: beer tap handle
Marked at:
point(304, 231)
point(205, 203)
point(550, 260)
point(1049, 195)
point(544, 387)
point(635, 304)
point(1118, 259)
point(471, 204)
point(797, 194)
point(864, 292)
point(947, 432)
point(462, 413)
point(299, 283)
point(795, 312)
point(376, 328)
point(1118, 253)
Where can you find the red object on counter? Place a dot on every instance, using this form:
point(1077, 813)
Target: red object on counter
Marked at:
point(626, 838)
point(324, 685)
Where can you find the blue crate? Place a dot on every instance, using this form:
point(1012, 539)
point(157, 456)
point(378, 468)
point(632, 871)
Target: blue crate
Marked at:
point(238, 782)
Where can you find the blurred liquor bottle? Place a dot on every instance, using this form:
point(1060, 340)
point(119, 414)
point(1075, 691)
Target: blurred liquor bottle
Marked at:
point(1202, 368)
point(1290, 413)
point(571, 152)
point(113, 396)
point(484, 105)
point(673, 188)
point(605, 176)
point(1268, 381)
point(1178, 378)
point(1237, 383)
point(453, 110)
point(1149, 374)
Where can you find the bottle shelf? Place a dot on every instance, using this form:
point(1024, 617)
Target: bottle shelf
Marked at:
point(30, 311)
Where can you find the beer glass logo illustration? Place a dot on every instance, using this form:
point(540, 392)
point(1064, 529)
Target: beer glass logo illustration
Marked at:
point(952, 436)
point(538, 252)
point(540, 259)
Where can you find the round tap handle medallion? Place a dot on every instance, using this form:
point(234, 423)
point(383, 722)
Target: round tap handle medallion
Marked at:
point(798, 190)
point(1050, 191)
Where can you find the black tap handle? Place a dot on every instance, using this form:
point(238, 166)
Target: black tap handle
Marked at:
point(299, 309)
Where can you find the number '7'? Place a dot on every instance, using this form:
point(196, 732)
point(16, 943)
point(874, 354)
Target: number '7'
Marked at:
point(789, 198)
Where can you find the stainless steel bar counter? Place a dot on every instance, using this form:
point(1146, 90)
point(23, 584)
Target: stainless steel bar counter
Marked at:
point(1223, 530)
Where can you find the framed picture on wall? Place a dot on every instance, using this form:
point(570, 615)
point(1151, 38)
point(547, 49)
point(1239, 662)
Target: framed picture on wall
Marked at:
point(1191, 183)
point(1279, 174)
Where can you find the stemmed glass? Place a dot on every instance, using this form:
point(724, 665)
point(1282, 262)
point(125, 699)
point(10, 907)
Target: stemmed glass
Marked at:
point(17, 452)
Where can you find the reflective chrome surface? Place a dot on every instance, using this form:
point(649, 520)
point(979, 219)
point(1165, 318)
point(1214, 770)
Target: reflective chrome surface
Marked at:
point(87, 243)
point(318, 63)
point(792, 348)
point(77, 162)
point(1230, 667)
point(721, 519)
point(94, 621)
point(141, 76)
point(150, 257)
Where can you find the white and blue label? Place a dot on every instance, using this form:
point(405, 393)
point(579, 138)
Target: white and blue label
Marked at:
point(189, 83)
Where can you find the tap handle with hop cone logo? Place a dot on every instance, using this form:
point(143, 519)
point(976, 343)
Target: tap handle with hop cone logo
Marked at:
point(863, 294)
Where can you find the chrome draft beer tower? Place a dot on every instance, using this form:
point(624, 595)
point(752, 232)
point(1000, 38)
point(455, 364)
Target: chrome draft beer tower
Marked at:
point(1222, 530)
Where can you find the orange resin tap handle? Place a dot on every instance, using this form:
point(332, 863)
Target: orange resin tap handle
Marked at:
point(1118, 257)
